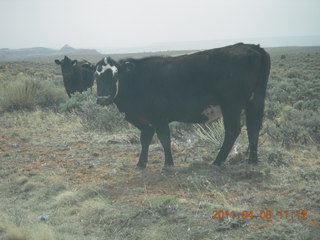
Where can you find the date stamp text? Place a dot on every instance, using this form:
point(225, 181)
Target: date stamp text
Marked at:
point(262, 214)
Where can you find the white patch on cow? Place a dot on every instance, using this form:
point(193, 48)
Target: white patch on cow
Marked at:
point(114, 69)
point(212, 112)
point(107, 66)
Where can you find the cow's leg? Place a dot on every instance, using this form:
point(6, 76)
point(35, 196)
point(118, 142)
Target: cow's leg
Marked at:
point(163, 133)
point(145, 139)
point(231, 120)
point(254, 114)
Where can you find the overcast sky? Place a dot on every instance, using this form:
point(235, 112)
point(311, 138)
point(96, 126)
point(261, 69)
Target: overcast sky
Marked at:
point(130, 23)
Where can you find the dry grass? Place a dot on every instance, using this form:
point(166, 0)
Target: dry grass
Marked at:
point(87, 185)
point(26, 230)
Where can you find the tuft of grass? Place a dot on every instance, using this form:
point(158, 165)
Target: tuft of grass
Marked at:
point(67, 198)
point(22, 180)
point(212, 133)
point(42, 232)
point(26, 231)
point(29, 93)
point(19, 96)
point(13, 232)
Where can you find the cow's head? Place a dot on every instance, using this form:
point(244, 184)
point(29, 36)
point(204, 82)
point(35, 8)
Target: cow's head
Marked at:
point(107, 78)
point(67, 65)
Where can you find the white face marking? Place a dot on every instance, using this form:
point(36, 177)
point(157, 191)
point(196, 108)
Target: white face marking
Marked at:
point(212, 112)
point(114, 69)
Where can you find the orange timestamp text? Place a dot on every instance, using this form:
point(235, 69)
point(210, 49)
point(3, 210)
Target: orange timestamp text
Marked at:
point(262, 214)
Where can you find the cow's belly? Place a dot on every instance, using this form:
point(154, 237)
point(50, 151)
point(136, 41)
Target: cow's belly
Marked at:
point(212, 113)
point(197, 114)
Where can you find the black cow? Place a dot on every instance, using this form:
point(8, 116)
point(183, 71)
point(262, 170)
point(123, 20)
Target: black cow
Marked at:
point(154, 91)
point(77, 76)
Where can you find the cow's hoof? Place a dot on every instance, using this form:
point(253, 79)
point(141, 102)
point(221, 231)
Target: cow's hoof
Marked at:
point(141, 166)
point(215, 163)
point(253, 161)
point(167, 168)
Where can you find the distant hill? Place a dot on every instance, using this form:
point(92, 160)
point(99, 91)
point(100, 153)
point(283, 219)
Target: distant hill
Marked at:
point(7, 54)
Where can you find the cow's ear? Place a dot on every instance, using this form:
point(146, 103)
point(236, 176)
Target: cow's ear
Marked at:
point(57, 61)
point(74, 62)
point(89, 66)
point(129, 66)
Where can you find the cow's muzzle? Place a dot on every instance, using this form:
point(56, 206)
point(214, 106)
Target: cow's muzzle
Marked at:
point(104, 100)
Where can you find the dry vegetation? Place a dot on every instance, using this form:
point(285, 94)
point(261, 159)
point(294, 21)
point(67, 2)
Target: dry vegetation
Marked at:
point(67, 166)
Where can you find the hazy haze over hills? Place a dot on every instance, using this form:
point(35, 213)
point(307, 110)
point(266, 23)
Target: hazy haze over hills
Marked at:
point(201, 45)
point(42, 52)
point(145, 25)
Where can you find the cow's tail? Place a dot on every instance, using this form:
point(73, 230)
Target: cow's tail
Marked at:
point(255, 106)
point(264, 72)
point(256, 102)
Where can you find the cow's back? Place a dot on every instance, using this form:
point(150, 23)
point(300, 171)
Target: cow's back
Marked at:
point(202, 73)
point(184, 86)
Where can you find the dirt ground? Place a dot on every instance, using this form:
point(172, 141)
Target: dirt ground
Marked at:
point(61, 182)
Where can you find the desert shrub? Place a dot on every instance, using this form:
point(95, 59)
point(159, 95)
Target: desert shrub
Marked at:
point(292, 105)
point(19, 95)
point(75, 102)
point(295, 127)
point(48, 95)
point(287, 133)
point(293, 73)
point(272, 110)
point(94, 116)
point(29, 93)
point(295, 90)
point(275, 155)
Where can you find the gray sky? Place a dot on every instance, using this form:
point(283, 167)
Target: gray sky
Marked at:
point(130, 23)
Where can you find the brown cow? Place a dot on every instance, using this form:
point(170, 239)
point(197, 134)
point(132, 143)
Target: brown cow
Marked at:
point(154, 91)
